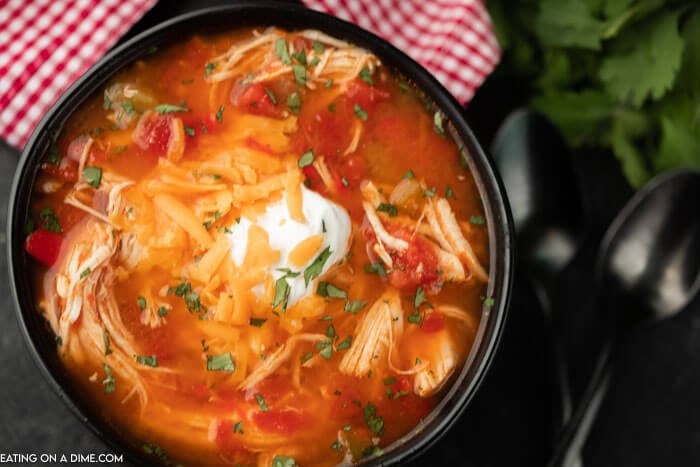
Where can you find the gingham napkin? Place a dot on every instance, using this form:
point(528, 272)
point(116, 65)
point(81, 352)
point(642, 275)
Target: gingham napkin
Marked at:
point(45, 45)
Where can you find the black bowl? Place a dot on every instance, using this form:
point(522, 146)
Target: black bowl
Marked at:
point(40, 339)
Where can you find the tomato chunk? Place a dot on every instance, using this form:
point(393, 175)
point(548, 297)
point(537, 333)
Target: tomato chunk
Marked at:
point(254, 98)
point(44, 246)
point(280, 421)
point(163, 135)
point(432, 323)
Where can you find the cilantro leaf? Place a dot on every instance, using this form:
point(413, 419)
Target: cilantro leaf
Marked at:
point(568, 23)
point(646, 63)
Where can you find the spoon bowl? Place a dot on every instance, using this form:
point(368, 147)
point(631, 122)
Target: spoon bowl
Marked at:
point(547, 206)
point(650, 260)
point(648, 269)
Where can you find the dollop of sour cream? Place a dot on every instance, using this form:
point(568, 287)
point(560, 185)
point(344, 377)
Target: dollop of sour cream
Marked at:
point(322, 217)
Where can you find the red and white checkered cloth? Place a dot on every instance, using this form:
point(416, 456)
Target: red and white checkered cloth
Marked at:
point(45, 45)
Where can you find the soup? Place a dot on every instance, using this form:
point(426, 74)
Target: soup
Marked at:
point(259, 248)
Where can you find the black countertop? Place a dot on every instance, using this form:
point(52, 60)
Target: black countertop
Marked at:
point(647, 418)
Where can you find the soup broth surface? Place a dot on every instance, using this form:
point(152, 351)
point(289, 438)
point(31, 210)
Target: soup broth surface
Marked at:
point(259, 248)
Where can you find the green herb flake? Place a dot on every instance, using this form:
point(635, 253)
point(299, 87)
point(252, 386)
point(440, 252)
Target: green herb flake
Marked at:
point(360, 112)
point(209, 68)
point(449, 192)
point(142, 302)
point(319, 48)
point(170, 108)
point(330, 331)
point(338, 446)
point(157, 451)
point(299, 73)
point(489, 301)
point(105, 337)
point(50, 220)
point(326, 289)
point(328, 83)
point(107, 102)
point(189, 131)
point(261, 402)
point(389, 381)
point(306, 357)
point(430, 193)
point(54, 156)
point(314, 61)
point(282, 291)
point(344, 181)
point(388, 208)
point(282, 51)
point(437, 123)
point(148, 360)
point(238, 427)
point(294, 102)
point(354, 306)
point(409, 174)
point(300, 56)
point(119, 149)
point(415, 318)
point(223, 362)
point(316, 267)
point(257, 322)
point(375, 268)
point(326, 352)
point(93, 176)
point(272, 97)
point(345, 343)
point(331, 107)
point(283, 461)
point(109, 381)
point(306, 159)
point(476, 220)
point(419, 298)
point(86, 272)
point(162, 312)
point(128, 106)
point(366, 76)
point(220, 114)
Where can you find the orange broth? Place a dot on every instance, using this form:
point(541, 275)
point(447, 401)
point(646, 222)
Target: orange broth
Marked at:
point(165, 352)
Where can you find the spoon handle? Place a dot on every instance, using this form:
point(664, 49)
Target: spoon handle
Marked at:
point(568, 449)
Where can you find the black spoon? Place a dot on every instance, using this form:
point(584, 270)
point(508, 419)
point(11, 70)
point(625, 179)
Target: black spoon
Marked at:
point(648, 269)
point(548, 213)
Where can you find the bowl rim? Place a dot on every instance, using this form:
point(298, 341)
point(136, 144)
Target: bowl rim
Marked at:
point(289, 16)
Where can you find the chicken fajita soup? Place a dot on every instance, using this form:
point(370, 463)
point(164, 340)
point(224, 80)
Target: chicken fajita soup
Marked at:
point(259, 248)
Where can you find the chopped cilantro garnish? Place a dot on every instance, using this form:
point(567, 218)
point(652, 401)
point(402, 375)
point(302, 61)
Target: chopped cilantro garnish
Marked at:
point(299, 74)
point(154, 450)
point(388, 208)
point(316, 267)
point(119, 149)
point(375, 268)
point(437, 123)
point(360, 112)
point(54, 156)
point(220, 114)
point(93, 176)
point(329, 83)
point(331, 107)
point(326, 352)
point(306, 159)
point(86, 272)
point(330, 331)
point(107, 102)
point(366, 76)
point(300, 56)
point(48, 217)
point(306, 357)
point(282, 51)
point(223, 362)
point(318, 47)
point(238, 427)
point(345, 343)
point(189, 130)
point(261, 402)
point(354, 306)
point(128, 106)
point(337, 445)
point(105, 337)
point(109, 380)
point(326, 289)
point(344, 181)
point(282, 291)
point(148, 360)
point(162, 312)
point(389, 381)
point(430, 193)
point(419, 298)
point(170, 108)
point(283, 461)
point(294, 102)
point(449, 192)
point(489, 301)
point(257, 322)
point(142, 302)
point(409, 174)
point(272, 97)
point(476, 220)
point(209, 68)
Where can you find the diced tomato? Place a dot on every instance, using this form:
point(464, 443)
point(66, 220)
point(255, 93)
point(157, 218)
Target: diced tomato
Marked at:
point(66, 170)
point(365, 95)
point(280, 421)
point(253, 98)
point(153, 132)
point(432, 323)
point(328, 133)
point(199, 391)
point(44, 246)
point(271, 388)
point(417, 265)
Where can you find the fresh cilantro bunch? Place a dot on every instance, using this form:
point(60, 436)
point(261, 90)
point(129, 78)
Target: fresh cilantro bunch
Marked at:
point(621, 74)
